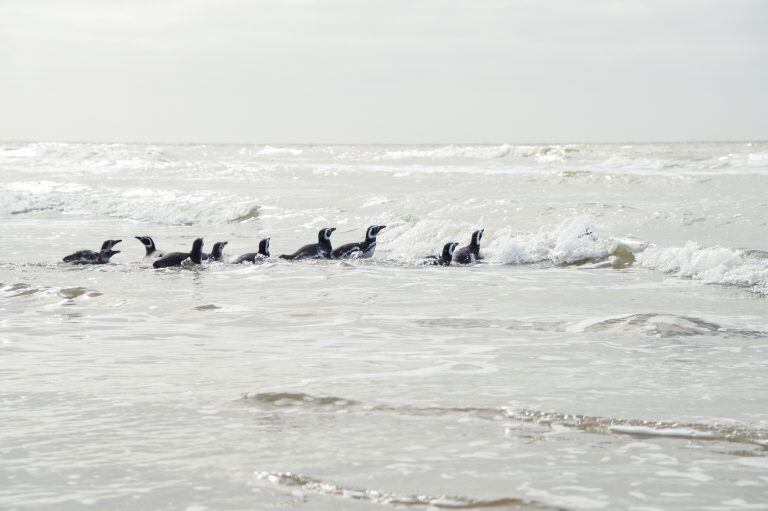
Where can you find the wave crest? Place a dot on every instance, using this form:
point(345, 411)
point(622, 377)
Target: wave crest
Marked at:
point(712, 265)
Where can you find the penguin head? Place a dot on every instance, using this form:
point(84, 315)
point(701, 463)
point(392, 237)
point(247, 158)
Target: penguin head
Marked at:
point(449, 249)
point(197, 251)
point(477, 236)
point(218, 248)
point(146, 241)
point(264, 247)
point(107, 245)
point(373, 231)
point(325, 234)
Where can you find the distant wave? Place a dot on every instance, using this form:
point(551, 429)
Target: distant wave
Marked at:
point(169, 207)
point(660, 158)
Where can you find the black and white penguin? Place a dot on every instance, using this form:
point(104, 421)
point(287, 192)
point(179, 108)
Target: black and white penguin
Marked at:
point(176, 258)
point(149, 245)
point(362, 250)
point(90, 255)
point(253, 257)
point(443, 259)
point(101, 258)
point(471, 253)
point(320, 250)
point(216, 252)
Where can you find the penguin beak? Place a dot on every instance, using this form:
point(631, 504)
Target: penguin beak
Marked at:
point(139, 237)
point(331, 229)
point(117, 241)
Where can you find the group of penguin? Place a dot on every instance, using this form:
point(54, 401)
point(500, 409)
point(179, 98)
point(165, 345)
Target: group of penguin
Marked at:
point(468, 254)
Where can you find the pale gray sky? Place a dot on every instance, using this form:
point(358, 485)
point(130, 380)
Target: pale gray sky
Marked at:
point(337, 71)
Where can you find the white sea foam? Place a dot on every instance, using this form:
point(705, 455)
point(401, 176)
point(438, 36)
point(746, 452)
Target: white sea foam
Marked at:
point(712, 265)
point(574, 241)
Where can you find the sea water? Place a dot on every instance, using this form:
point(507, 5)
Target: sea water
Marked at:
point(609, 352)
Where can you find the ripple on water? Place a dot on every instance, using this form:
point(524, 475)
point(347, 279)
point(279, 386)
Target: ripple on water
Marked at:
point(386, 498)
point(22, 289)
point(586, 423)
point(662, 325)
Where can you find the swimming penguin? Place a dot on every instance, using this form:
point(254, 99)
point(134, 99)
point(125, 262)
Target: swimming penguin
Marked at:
point(176, 258)
point(101, 258)
point(252, 257)
point(90, 255)
point(320, 250)
point(216, 252)
point(470, 253)
point(445, 258)
point(149, 245)
point(362, 250)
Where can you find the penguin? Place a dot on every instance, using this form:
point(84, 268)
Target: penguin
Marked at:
point(176, 258)
point(252, 257)
point(90, 255)
point(149, 245)
point(101, 258)
point(471, 253)
point(362, 250)
point(320, 250)
point(445, 258)
point(216, 252)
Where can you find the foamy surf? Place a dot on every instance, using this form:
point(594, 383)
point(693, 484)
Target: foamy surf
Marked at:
point(711, 265)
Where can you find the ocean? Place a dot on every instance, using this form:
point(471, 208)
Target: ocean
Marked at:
point(609, 352)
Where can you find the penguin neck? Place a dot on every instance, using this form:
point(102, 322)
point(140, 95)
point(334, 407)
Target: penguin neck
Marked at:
point(150, 249)
point(197, 254)
point(326, 244)
point(216, 252)
point(447, 254)
point(368, 243)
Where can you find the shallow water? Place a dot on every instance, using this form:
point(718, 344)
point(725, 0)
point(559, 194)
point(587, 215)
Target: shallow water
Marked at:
point(609, 353)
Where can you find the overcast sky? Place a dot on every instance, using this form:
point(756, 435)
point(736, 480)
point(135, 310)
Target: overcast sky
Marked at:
point(336, 71)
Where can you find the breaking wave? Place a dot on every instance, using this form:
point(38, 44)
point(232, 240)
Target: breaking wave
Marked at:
point(581, 242)
point(576, 241)
point(712, 265)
